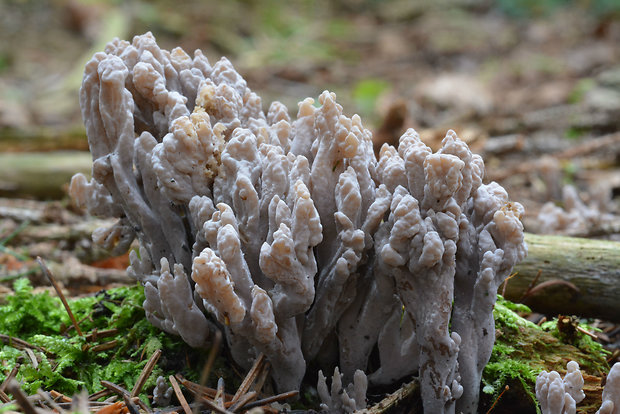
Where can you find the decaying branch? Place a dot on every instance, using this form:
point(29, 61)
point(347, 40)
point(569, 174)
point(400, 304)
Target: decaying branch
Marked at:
point(592, 266)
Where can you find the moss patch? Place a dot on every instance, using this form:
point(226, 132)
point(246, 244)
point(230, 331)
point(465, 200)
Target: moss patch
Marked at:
point(522, 350)
point(69, 362)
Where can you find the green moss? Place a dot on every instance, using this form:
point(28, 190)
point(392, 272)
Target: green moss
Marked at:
point(70, 363)
point(523, 349)
point(507, 365)
point(25, 312)
point(506, 315)
point(587, 346)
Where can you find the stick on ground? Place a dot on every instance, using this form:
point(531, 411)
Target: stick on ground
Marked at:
point(146, 373)
point(21, 399)
point(179, 394)
point(61, 295)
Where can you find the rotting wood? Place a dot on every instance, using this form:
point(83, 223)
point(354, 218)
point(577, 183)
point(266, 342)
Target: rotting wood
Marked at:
point(592, 266)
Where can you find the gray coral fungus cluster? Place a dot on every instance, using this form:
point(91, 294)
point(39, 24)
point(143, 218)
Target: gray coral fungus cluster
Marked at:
point(557, 395)
point(289, 234)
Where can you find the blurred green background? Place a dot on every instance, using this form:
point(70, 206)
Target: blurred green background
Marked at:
point(477, 66)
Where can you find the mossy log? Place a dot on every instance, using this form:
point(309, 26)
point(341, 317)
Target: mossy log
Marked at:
point(577, 276)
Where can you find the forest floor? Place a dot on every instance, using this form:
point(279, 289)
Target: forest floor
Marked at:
point(534, 88)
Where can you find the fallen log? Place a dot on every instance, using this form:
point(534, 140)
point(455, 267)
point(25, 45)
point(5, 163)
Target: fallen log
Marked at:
point(577, 277)
point(42, 175)
point(24, 139)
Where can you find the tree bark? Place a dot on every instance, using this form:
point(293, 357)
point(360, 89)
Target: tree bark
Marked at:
point(577, 277)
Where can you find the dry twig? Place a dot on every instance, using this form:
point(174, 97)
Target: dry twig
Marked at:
point(242, 401)
point(530, 286)
point(199, 390)
point(3, 397)
point(122, 392)
point(146, 373)
point(49, 401)
point(548, 283)
point(20, 343)
point(506, 388)
point(96, 334)
point(215, 347)
point(269, 400)
point(260, 381)
point(56, 395)
point(61, 295)
point(179, 394)
point(404, 392)
point(104, 346)
point(99, 394)
point(130, 404)
point(14, 389)
point(249, 378)
point(214, 407)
